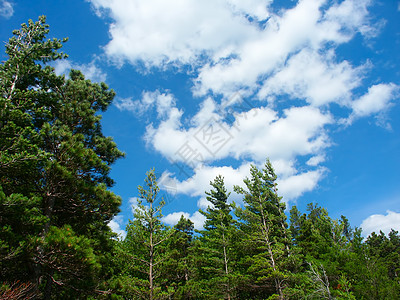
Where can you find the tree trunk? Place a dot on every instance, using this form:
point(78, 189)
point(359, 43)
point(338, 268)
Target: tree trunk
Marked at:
point(282, 222)
point(270, 252)
point(48, 287)
point(39, 277)
point(151, 254)
point(226, 266)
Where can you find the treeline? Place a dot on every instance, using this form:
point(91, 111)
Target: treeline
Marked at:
point(55, 206)
point(250, 252)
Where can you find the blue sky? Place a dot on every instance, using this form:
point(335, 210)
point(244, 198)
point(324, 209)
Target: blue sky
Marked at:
point(209, 87)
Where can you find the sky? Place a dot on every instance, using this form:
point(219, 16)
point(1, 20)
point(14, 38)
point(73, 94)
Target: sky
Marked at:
point(209, 87)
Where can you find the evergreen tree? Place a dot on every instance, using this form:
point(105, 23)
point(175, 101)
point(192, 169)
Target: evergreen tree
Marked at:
point(176, 268)
point(313, 233)
point(215, 252)
point(382, 266)
point(333, 254)
point(145, 245)
point(266, 236)
point(54, 161)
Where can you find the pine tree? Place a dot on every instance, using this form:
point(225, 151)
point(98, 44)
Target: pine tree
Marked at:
point(145, 245)
point(55, 161)
point(215, 246)
point(331, 252)
point(382, 261)
point(266, 235)
point(176, 268)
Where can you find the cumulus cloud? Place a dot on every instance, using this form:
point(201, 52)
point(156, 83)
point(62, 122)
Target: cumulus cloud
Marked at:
point(376, 223)
point(90, 70)
point(6, 9)
point(322, 80)
point(197, 218)
point(290, 185)
point(115, 224)
point(316, 160)
point(200, 181)
point(378, 99)
point(173, 218)
point(299, 131)
point(307, 25)
point(224, 40)
point(229, 48)
point(144, 30)
point(162, 101)
point(296, 185)
point(254, 134)
point(133, 201)
point(203, 203)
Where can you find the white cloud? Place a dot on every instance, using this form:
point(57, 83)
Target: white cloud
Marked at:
point(262, 53)
point(62, 67)
point(199, 183)
point(198, 219)
point(377, 222)
point(284, 167)
point(163, 102)
point(173, 218)
point(296, 185)
point(203, 203)
point(257, 9)
point(206, 111)
point(6, 9)
point(316, 160)
point(256, 134)
point(378, 99)
point(322, 80)
point(298, 132)
point(90, 70)
point(159, 32)
point(291, 185)
point(307, 25)
point(115, 225)
point(128, 104)
point(224, 40)
point(352, 17)
point(133, 201)
point(144, 31)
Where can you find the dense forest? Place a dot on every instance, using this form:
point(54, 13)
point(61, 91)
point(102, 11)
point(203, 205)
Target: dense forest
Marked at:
point(55, 206)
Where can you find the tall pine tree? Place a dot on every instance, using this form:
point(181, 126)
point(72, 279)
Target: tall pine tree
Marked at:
point(55, 164)
point(145, 246)
point(266, 236)
point(176, 269)
point(215, 247)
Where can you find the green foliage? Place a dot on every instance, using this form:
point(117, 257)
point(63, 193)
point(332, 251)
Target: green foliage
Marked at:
point(144, 249)
point(54, 166)
point(339, 265)
point(176, 267)
point(21, 221)
point(266, 237)
point(214, 251)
